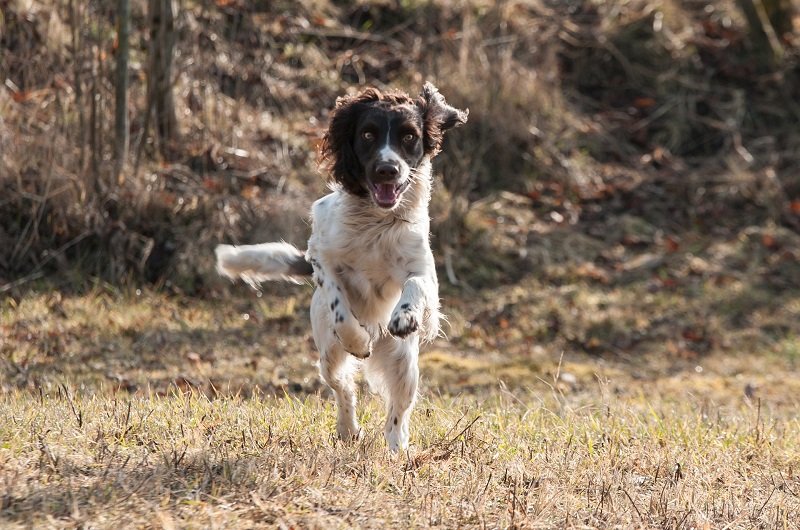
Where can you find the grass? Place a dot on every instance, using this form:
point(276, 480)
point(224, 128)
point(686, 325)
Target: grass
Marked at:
point(145, 410)
point(183, 460)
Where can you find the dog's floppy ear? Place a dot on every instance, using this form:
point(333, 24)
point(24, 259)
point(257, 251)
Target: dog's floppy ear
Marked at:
point(337, 145)
point(437, 117)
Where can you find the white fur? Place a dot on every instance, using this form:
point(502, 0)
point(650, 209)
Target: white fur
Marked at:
point(388, 154)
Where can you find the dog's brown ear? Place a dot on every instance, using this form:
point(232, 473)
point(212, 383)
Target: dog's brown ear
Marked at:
point(437, 117)
point(337, 152)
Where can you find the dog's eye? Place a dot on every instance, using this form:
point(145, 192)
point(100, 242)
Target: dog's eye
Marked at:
point(368, 136)
point(409, 138)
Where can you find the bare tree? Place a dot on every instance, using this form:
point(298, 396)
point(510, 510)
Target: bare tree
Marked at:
point(75, 22)
point(159, 84)
point(121, 129)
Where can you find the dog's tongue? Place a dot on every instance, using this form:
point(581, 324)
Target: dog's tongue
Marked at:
point(385, 193)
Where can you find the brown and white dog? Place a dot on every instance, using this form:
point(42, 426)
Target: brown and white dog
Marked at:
point(369, 252)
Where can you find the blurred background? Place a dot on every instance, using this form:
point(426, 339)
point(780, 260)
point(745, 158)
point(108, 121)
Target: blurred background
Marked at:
point(628, 183)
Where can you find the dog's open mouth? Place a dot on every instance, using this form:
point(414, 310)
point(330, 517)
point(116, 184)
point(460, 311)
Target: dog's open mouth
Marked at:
point(387, 194)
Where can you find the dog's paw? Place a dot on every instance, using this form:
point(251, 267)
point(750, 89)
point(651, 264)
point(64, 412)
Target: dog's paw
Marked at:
point(349, 432)
point(396, 438)
point(404, 321)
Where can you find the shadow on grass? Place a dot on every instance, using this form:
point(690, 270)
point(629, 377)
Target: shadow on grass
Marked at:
point(76, 493)
point(236, 348)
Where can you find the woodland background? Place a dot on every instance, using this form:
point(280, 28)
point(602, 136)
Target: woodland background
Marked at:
point(674, 120)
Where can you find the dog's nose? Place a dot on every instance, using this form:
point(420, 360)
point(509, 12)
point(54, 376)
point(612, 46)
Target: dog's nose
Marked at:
point(387, 171)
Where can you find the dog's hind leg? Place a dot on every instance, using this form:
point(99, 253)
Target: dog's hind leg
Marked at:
point(354, 337)
point(337, 367)
point(393, 370)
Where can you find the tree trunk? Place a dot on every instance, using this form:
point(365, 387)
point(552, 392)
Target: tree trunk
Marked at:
point(76, 20)
point(122, 130)
point(162, 45)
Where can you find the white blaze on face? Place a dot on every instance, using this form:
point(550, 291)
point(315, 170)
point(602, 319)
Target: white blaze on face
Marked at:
point(388, 154)
point(387, 193)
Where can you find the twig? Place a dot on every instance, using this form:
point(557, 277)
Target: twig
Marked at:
point(633, 504)
point(19, 281)
point(451, 429)
point(348, 34)
point(465, 429)
point(448, 266)
point(761, 510)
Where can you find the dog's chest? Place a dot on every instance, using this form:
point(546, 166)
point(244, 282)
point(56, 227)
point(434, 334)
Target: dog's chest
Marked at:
point(372, 267)
point(374, 264)
point(371, 256)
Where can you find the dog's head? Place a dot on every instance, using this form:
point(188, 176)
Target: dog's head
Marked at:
point(376, 140)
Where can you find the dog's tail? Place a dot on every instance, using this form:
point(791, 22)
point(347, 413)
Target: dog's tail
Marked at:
point(267, 261)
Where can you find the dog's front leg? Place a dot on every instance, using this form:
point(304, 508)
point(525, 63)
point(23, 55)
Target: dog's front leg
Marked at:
point(418, 307)
point(355, 339)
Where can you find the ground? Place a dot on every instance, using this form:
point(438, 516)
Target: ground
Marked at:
point(136, 408)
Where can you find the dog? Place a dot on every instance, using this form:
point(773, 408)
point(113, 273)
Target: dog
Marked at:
point(376, 295)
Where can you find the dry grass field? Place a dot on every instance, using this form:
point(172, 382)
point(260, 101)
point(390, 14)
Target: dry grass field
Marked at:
point(137, 409)
point(616, 234)
point(510, 460)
